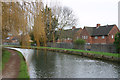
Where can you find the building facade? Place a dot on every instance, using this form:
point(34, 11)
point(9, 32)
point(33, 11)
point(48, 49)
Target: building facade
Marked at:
point(99, 34)
point(69, 35)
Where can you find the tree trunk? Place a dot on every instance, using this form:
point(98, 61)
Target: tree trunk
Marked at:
point(38, 43)
point(53, 40)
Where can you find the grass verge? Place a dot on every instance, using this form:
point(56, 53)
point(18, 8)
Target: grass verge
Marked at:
point(76, 50)
point(23, 73)
point(93, 52)
point(5, 57)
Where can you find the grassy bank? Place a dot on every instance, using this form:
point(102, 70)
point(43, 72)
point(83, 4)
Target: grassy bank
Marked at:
point(76, 50)
point(93, 52)
point(23, 73)
point(5, 57)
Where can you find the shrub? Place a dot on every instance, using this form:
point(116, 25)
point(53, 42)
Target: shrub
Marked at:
point(79, 42)
point(117, 42)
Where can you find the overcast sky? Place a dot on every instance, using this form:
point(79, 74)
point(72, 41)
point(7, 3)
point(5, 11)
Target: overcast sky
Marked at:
point(91, 12)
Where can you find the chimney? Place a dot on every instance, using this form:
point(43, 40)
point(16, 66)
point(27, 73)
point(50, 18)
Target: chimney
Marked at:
point(73, 27)
point(98, 25)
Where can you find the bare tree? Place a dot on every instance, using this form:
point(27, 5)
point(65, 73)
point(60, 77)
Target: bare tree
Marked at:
point(65, 17)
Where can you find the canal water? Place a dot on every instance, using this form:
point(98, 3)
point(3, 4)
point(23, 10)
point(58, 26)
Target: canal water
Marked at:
point(46, 64)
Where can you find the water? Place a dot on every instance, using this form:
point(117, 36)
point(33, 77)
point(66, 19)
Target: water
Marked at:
point(48, 64)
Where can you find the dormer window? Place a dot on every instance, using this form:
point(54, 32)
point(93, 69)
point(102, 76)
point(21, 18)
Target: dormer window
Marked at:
point(96, 37)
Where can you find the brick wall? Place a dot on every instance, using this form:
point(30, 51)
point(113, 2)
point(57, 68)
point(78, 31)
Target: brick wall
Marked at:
point(99, 40)
point(65, 40)
point(112, 33)
point(84, 33)
point(77, 34)
point(106, 40)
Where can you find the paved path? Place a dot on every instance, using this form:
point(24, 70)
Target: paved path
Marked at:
point(11, 69)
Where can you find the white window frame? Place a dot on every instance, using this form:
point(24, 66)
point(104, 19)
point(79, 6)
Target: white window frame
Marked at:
point(96, 37)
point(103, 37)
point(68, 38)
point(112, 36)
point(86, 37)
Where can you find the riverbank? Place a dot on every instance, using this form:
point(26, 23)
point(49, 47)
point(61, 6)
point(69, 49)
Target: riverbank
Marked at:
point(5, 57)
point(91, 54)
point(13, 64)
point(23, 73)
point(44, 63)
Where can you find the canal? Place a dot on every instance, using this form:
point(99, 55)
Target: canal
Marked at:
point(46, 64)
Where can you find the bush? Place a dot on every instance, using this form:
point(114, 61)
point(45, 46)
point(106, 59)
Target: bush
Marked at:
point(117, 42)
point(79, 42)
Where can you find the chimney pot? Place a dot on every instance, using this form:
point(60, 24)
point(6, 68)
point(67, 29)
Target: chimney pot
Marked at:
point(73, 27)
point(98, 25)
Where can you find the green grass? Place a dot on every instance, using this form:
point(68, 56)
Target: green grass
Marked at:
point(23, 73)
point(5, 57)
point(101, 53)
point(76, 50)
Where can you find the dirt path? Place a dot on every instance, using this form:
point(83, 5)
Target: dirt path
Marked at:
point(11, 69)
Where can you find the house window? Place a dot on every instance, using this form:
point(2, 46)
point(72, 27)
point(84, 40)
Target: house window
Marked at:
point(96, 37)
point(112, 36)
point(103, 37)
point(68, 38)
point(86, 37)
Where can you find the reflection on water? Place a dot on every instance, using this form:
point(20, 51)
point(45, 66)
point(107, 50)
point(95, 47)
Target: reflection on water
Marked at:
point(46, 64)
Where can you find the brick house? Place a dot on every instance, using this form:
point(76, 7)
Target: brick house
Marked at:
point(69, 35)
point(99, 34)
point(11, 40)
